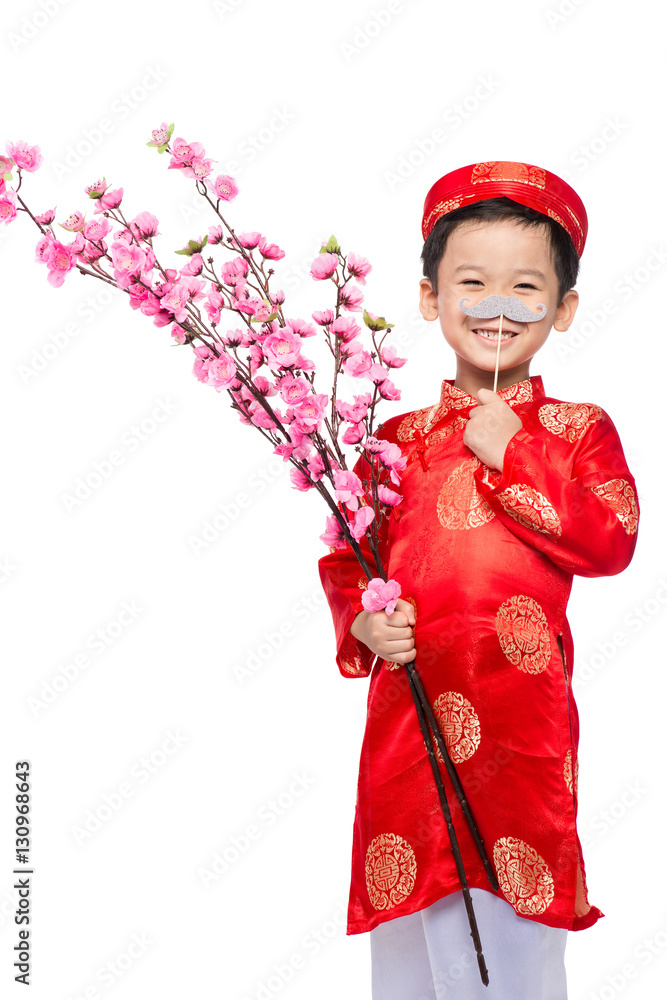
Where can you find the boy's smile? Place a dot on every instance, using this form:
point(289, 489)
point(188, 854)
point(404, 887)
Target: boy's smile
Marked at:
point(498, 258)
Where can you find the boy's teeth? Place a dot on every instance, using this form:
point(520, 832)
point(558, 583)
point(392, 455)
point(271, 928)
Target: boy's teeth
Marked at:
point(493, 334)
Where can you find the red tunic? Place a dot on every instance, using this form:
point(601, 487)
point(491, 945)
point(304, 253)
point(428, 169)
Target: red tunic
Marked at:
point(487, 558)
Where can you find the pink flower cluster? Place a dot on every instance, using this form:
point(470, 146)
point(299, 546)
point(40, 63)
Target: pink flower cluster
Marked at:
point(381, 595)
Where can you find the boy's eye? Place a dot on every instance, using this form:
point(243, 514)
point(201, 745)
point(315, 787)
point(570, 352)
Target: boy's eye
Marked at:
point(526, 284)
point(471, 281)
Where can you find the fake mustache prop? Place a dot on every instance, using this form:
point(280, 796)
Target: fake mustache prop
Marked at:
point(498, 305)
point(509, 305)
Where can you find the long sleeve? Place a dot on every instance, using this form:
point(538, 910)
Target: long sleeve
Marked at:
point(344, 581)
point(585, 522)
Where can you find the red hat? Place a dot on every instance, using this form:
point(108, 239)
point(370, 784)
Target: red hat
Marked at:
point(522, 182)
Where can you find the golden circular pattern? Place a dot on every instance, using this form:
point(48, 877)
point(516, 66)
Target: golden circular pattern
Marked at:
point(524, 877)
point(459, 724)
point(523, 633)
point(530, 508)
point(460, 505)
point(620, 496)
point(571, 780)
point(569, 421)
point(391, 869)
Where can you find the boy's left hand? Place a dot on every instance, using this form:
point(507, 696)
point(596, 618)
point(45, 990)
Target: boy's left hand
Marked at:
point(490, 426)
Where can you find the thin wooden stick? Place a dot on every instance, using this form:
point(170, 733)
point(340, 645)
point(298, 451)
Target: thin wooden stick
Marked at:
point(500, 337)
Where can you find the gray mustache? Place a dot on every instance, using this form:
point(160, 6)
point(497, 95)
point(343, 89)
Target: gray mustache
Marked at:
point(509, 306)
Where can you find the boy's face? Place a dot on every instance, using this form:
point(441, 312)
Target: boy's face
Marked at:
point(499, 258)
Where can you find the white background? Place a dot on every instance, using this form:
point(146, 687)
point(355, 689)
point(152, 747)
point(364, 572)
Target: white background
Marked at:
point(335, 98)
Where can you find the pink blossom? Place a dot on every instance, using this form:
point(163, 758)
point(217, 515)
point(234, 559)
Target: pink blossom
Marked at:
point(7, 205)
point(301, 327)
point(316, 467)
point(351, 297)
point(390, 357)
point(256, 358)
point(46, 217)
point(225, 187)
point(43, 248)
point(345, 328)
point(348, 487)
point(97, 229)
point(178, 333)
point(281, 349)
point(184, 153)
point(236, 338)
point(74, 222)
point(358, 365)
point(381, 596)
point(127, 262)
point(352, 347)
point(232, 271)
point(373, 445)
point(260, 417)
point(59, 260)
point(264, 387)
point(213, 305)
point(292, 389)
point(97, 189)
point(388, 497)
point(221, 372)
point(109, 200)
point(284, 450)
point(214, 235)
point(362, 519)
point(24, 156)
point(358, 267)
point(6, 164)
point(199, 167)
point(194, 265)
point(249, 240)
point(333, 534)
point(388, 390)
point(175, 301)
point(309, 412)
point(160, 135)
point(377, 373)
point(354, 434)
point(303, 446)
point(324, 266)
point(300, 480)
point(144, 225)
point(270, 250)
point(391, 457)
point(324, 318)
point(356, 411)
point(257, 308)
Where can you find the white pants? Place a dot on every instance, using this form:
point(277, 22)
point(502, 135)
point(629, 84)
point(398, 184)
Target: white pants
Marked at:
point(429, 955)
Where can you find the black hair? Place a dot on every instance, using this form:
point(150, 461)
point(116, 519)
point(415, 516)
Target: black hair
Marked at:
point(563, 254)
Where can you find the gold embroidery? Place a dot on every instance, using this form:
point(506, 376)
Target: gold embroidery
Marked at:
point(459, 724)
point(524, 877)
point(460, 505)
point(568, 420)
point(442, 207)
point(455, 398)
point(349, 659)
point(523, 633)
point(530, 508)
point(571, 780)
point(620, 496)
point(501, 170)
point(420, 420)
point(391, 868)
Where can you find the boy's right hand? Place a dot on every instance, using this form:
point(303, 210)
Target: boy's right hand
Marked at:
point(388, 636)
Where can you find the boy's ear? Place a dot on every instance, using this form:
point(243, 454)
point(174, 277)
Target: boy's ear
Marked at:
point(428, 300)
point(566, 311)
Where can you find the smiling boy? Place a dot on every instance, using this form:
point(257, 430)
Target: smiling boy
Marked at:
point(506, 495)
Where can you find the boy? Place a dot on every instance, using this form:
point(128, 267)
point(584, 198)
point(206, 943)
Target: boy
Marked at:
point(506, 495)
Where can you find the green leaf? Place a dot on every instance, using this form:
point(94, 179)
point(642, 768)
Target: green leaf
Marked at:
point(193, 247)
point(332, 246)
point(376, 324)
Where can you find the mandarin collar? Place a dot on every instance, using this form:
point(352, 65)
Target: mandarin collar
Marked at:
point(519, 392)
